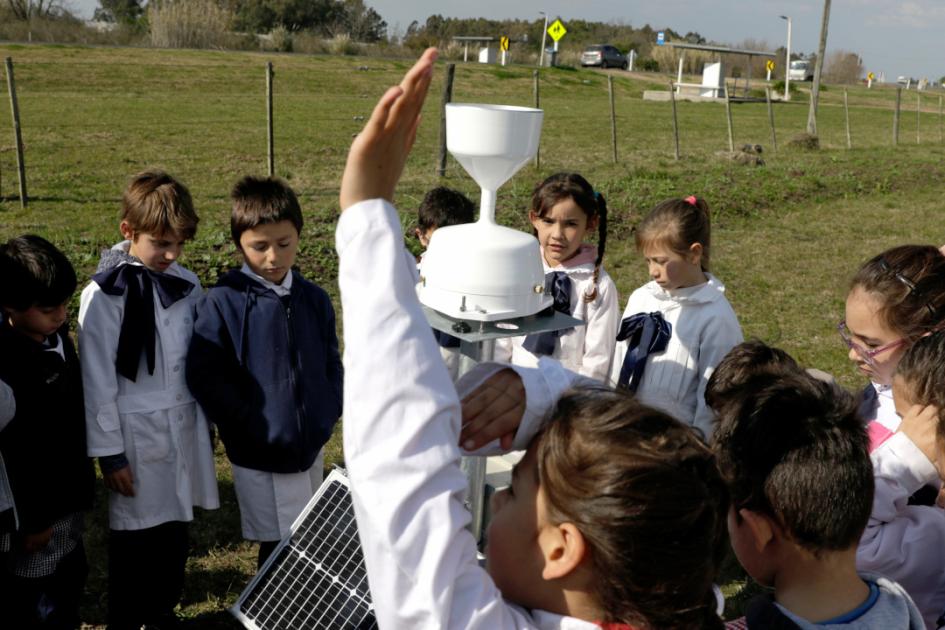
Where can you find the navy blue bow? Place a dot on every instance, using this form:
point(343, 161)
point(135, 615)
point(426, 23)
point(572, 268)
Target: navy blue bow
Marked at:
point(869, 403)
point(137, 334)
point(645, 333)
point(559, 284)
point(446, 340)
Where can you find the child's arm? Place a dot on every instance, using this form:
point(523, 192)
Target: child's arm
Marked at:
point(600, 335)
point(717, 339)
point(220, 385)
point(334, 372)
point(402, 414)
point(906, 542)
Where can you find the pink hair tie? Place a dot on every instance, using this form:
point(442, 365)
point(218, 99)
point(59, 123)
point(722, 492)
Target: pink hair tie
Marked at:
point(691, 200)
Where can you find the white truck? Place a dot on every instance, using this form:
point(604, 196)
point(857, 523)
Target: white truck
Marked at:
point(801, 70)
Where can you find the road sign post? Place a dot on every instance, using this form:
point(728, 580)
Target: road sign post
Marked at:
point(504, 47)
point(769, 66)
point(869, 80)
point(557, 31)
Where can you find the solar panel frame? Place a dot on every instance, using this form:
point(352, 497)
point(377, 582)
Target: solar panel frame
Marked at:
point(315, 579)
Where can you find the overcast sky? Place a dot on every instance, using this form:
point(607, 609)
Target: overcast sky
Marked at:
point(898, 37)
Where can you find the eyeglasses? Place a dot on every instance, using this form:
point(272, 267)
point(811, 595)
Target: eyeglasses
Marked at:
point(885, 266)
point(867, 355)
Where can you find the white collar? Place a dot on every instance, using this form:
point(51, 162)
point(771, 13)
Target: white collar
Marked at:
point(282, 289)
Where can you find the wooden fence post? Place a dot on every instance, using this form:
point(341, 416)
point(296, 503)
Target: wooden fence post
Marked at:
point(613, 116)
point(774, 136)
point(846, 113)
point(447, 98)
point(941, 137)
point(896, 116)
point(271, 153)
point(537, 106)
point(918, 120)
point(672, 99)
point(17, 132)
point(728, 117)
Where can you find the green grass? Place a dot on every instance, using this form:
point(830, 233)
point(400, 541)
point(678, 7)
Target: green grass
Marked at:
point(787, 236)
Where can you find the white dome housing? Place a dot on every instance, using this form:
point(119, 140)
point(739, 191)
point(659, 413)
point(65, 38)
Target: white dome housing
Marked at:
point(483, 271)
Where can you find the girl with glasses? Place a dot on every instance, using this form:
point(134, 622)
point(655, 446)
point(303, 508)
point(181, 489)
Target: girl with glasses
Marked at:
point(895, 298)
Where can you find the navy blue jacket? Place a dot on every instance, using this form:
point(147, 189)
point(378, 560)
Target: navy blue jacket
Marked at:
point(43, 446)
point(266, 371)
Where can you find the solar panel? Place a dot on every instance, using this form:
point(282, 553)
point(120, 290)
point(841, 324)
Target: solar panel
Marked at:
point(315, 579)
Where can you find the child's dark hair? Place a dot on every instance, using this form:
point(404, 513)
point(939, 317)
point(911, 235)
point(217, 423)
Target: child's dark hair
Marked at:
point(34, 273)
point(646, 494)
point(560, 186)
point(677, 224)
point(909, 282)
point(442, 207)
point(794, 449)
point(155, 203)
point(740, 365)
point(922, 371)
point(261, 200)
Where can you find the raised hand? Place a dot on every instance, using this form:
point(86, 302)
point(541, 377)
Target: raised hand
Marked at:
point(377, 156)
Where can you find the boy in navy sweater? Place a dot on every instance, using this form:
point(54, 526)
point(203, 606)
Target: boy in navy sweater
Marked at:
point(42, 563)
point(264, 364)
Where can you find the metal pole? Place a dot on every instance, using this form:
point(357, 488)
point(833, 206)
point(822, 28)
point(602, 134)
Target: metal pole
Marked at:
point(475, 467)
point(896, 116)
point(728, 117)
point(447, 97)
point(846, 112)
point(672, 99)
point(774, 137)
point(613, 116)
point(818, 69)
point(787, 60)
point(17, 132)
point(544, 34)
point(271, 149)
point(537, 106)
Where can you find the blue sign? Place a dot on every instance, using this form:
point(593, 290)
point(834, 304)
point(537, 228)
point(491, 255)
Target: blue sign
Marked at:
point(660, 38)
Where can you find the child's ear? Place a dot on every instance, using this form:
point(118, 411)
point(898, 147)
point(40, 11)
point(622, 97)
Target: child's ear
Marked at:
point(127, 231)
point(563, 547)
point(760, 527)
point(592, 223)
point(695, 254)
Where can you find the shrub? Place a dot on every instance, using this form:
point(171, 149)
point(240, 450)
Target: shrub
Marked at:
point(189, 23)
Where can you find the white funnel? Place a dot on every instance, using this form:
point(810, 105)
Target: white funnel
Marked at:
point(483, 271)
point(492, 142)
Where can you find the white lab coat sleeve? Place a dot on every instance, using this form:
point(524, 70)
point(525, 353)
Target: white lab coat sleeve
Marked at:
point(99, 325)
point(401, 428)
point(905, 542)
point(717, 339)
point(544, 385)
point(600, 335)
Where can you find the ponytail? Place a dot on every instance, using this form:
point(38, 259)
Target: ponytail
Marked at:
point(591, 293)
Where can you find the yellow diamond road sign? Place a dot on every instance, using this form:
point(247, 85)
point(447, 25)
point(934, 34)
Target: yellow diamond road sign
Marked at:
point(504, 42)
point(770, 65)
point(871, 76)
point(557, 30)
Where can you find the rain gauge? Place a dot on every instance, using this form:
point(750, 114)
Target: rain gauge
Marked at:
point(481, 281)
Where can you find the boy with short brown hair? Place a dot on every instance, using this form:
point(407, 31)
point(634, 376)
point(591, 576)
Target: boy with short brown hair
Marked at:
point(135, 322)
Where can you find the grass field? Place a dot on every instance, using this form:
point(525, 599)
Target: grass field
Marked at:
point(787, 236)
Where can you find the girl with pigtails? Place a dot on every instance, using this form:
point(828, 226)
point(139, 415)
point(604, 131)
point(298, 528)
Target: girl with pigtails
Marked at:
point(677, 327)
point(564, 208)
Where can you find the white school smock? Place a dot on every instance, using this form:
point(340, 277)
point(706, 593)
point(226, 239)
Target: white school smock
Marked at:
point(154, 421)
point(588, 349)
point(906, 543)
point(401, 428)
point(704, 329)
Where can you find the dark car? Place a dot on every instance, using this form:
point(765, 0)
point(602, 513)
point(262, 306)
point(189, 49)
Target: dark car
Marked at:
point(603, 55)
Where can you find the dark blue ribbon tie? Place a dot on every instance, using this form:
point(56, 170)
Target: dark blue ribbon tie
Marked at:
point(869, 403)
point(559, 284)
point(645, 333)
point(137, 335)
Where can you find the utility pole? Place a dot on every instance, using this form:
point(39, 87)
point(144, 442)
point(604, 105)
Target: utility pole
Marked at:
point(544, 33)
point(787, 61)
point(818, 68)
